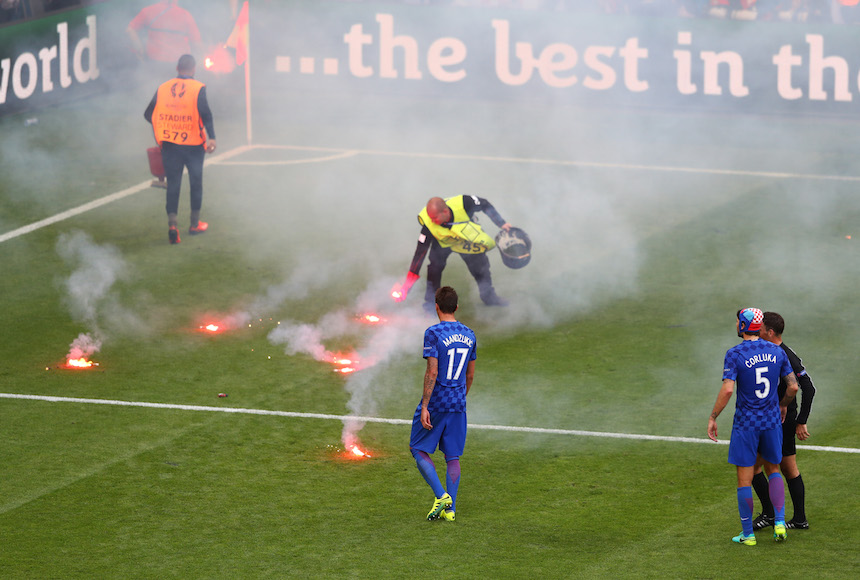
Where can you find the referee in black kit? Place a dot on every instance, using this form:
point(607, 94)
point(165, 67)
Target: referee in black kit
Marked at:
point(772, 328)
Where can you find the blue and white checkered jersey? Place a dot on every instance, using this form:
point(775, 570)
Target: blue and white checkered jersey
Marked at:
point(756, 367)
point(453, 344)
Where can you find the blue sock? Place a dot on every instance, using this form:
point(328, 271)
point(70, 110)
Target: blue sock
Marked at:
point(776, 490)
point(428, 470)
point(452, 479)
point(745, 508)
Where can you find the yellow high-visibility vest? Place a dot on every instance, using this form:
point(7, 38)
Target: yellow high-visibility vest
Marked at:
point(464, 236)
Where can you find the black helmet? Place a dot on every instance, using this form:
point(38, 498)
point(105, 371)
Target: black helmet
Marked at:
point(515, 247)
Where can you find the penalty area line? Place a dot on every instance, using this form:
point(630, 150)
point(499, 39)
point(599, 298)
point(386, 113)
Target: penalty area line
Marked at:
point(96, 203)
point(359, 418)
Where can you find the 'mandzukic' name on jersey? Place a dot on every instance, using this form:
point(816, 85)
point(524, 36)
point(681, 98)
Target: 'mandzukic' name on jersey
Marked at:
point(453, 344)
point(448, 341)
point(756, 367)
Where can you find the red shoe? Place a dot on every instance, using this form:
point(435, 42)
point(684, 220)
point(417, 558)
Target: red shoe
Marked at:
point(173, 235)
point(200, 228)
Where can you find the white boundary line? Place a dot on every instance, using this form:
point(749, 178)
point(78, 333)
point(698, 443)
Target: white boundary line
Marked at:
point(52, 399)
point(73, 212)
point(103, 201)
point(339, 153)
point(631, 166)
point(342, 155)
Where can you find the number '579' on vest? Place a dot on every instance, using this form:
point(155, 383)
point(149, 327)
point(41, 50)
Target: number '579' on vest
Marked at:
point(175, 117)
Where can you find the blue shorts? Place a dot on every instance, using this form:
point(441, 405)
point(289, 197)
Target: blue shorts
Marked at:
point(744, 446)
point(448, 433)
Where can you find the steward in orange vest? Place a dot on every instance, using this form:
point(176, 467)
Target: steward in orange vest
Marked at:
point(183, 128)
point(176, 117)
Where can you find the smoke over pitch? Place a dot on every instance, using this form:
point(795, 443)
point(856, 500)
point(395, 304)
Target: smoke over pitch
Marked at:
point(591, 186)
point(587, 222)
point(90, 293)
point(399, 334)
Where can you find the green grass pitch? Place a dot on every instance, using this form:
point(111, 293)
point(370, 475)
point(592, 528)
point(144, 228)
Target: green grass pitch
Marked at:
point(650, 230)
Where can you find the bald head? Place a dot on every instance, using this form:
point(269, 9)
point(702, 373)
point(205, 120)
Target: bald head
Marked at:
point(438, 211)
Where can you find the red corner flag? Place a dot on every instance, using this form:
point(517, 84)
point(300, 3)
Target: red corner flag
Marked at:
point(239, 37)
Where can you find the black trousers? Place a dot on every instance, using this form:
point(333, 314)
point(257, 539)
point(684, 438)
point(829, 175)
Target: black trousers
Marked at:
point(478, 265)
point(175, 158)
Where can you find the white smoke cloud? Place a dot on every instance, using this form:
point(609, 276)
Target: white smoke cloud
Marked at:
point(398, 336)
point(308, 338)
point(90, 292)
point(382, 343)
point(96, 269)
point(311, 273)
point(84, 346)
point(589, 223)
point(583, 251)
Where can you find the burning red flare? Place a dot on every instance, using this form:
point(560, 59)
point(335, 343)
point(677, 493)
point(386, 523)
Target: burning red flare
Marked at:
point(212, 326)
point(347, 363)
point(218, 322)
point(349, 452)
point(219, 60)
point(355, 452)
point(371, 318)
point(80, 363)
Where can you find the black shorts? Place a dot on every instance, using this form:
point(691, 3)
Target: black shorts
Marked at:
point(789, 430)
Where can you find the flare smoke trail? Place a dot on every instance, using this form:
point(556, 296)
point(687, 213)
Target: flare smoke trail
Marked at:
point(89, 291)
point(308, 338)
point(398, 335)
point(84, 346)
point(312, 273)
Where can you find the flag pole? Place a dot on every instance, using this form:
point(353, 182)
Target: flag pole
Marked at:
point(248, 126)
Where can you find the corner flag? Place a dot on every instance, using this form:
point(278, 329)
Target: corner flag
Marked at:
point(239, 37)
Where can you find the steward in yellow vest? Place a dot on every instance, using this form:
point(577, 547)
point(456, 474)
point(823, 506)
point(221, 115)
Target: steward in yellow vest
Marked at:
point(448, 225)
point(462, 235)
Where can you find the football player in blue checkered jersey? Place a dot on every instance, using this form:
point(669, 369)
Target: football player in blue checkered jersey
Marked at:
point(756, 366)
point(440, 419)
point(794, 425)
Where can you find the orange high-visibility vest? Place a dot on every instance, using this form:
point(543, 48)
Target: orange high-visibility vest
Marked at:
point(175, 117)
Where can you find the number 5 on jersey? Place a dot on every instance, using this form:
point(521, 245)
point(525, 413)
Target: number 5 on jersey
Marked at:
point(760, 379)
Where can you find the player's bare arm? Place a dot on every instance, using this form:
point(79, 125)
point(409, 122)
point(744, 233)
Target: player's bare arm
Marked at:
point(790, 391)
point(723, 398)
point(430, 375)
point(470, 374)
